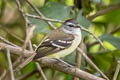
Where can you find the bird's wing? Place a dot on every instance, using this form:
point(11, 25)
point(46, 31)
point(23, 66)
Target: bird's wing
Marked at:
point(53, 44)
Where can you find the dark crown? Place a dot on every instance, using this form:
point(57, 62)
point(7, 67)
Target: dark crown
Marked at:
point(71, 20)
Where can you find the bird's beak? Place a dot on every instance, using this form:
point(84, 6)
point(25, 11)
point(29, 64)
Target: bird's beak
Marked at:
point(79, 26)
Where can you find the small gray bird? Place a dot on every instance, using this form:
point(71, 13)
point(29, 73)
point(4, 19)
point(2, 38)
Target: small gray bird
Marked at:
point(61, 41)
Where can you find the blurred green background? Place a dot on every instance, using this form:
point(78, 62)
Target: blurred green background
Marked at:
point(105, 26)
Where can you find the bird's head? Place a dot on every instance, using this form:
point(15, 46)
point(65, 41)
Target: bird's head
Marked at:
point(71, 26)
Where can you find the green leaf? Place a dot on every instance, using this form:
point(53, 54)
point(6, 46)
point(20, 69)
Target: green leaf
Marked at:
point(111, 39)
point(70, 58)
point(56, 11)
point(53, 11)
point(29, 68)
point(41, 26)
point(106, 59)
point(82, 20)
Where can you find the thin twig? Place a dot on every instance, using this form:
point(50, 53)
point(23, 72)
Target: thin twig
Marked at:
point(3, 74)
point(23, 14)
point(44, 18)
point(112, 32)
point(115, 30)
point(28, 60)
point(117, 71)
point(19, 50)
point(90, 61)
point(40, 14)
point(12, 34)
point(15, 64)
point(78, 62)
point(29, 36)
point(41, 71)
point(79, 58)
point(16, 50)
point(15, 36)
point(30, 46)
point(92, 44)
point(86, 30)
point(8, 42)
point(103, 11)
point(10, 65)
point(27, 22)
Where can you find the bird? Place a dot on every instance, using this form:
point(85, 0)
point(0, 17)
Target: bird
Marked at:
point(61, 41)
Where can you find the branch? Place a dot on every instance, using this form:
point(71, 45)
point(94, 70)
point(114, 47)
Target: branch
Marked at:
point(23, 14)
point(112, 32)
point(27, 22)
point(41, 71)
point(115, 30)
point(44, 18)
point(78, 62)
point(103, 11)
point(79, 58)
point(40, 14)
point(53, 63)
point(10, 65)
point(6, 41)
point(29, 36)
point(3, 74)
point(117, 71)
point(16, 50)
point(12, 34)
point(90, 61)
point(86, 30)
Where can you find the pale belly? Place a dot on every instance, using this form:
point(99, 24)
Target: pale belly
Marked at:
point(67, 51)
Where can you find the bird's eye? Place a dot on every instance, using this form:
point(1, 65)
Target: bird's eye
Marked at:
point(70, 25)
